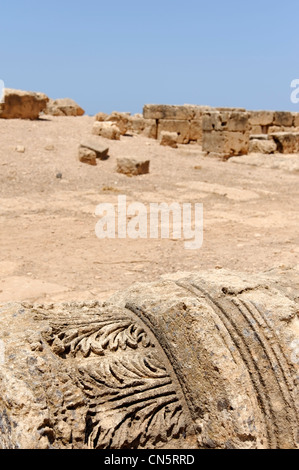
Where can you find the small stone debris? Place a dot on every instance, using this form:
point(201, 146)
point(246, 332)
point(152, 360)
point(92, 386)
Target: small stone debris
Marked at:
point(91, 150)
point(132, 167)
point(106, 129)
point(169, 139)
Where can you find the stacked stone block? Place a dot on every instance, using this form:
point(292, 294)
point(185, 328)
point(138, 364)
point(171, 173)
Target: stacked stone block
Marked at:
point(268, 122)
point(286, 142)
point(185, 120)
point(225, 132)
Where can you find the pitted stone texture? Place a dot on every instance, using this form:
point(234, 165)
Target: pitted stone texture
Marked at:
point(182, 128)
point(286, 142)
point(63, 107)
point(19, 104)
point(195, 360)
point(106, 129)
point(132, 167)
point(262, 146)
point(146, 127)
point(261, 118)
point(169, 139)
point(172, 112)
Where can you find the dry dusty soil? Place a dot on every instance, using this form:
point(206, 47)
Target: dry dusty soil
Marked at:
point(49, 250)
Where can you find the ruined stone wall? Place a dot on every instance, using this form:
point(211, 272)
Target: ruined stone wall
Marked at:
point(268, 122)
point(185, 120)
point(224, 132)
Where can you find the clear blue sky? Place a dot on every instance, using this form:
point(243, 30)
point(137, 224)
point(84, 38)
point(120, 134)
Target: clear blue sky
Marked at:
point(121, 54)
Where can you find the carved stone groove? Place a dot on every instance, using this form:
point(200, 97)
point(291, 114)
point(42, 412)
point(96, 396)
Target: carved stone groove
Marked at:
point(197, 360)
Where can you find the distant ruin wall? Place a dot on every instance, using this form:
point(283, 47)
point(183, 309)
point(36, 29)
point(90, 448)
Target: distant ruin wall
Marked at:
point(223, 131)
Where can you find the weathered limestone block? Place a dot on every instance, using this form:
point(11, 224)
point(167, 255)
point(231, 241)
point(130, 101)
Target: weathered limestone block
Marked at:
point(286, 142)
point(262, 146)
point(257, 130)
point(222, 121)
point(225, 133)
point(101, 116)
point(172, 112)
point(90, 150)
point(261, 118)
point(226, 143)
point(195, 360)
point(296, 120)
point(146, 127)
point(63, 107)
point(87, 155)
point(169, 139)
point(106, 129)
point(198, 110)
point(196, 130)
point(283, 119)
point(132, 167)
point(20, 104)
point(182, 128)
point(121, 120)
point(274, 129)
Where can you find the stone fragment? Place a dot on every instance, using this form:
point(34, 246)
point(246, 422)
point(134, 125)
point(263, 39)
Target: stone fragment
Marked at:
point(19, 104)
point(132, 167)
point(63, 107)
point(222, 121)
point(193, 361)
point(198, 111)
point(296, 119)
point(106, 129)
point(286, 142)
point(261, 118)
point(98, 147)
point(121, 120)
point(262, 146)
point(257, 130)
point(88, 156)
point(283, 119)
point(146, 127)
point(274, 129)
point(182, 128)
point(101, 116)
point(169, 139)
point(172, 112)
point(226, 143)
point(20, 149)
point(196, 130)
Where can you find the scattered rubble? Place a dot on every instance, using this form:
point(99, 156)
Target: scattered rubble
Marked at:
point(265, 146)
point(132, 167)
point(106, 129)
point(169, 139)
point(91, 150)
point(63, 107)
point(19, 104)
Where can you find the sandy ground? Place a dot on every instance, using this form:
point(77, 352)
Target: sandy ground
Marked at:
point(49, 250)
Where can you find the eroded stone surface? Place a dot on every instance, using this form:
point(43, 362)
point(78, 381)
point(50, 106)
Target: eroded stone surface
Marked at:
point(63, 107)
point(19, 104)
point(132, 167)
point(193, 360)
